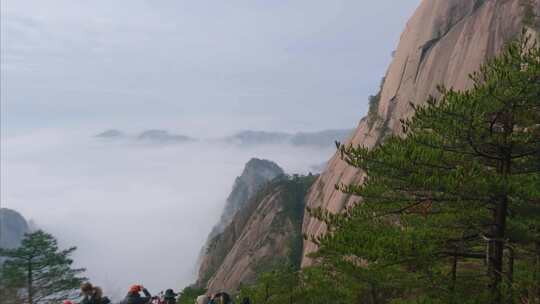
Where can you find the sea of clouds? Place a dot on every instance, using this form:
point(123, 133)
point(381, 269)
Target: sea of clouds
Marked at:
point(138, 213)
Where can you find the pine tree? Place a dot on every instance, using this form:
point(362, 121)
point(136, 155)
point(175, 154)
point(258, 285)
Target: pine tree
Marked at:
point(38, 272)
point(460, 187)
point(288, 285)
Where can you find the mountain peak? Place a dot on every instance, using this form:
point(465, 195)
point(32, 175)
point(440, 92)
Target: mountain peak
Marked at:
point(13, 226)
point(163, 136)
point(111, 133)
point(262, 169)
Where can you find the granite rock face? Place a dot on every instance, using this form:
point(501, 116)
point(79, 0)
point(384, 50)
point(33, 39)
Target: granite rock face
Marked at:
point(256, 174)
point(264, 234)
point(443, 42)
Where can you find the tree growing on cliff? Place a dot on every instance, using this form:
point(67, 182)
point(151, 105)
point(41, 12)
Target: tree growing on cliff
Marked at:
point(38, 271)
point(289, 285)
point(461, 187)
point(189, 294)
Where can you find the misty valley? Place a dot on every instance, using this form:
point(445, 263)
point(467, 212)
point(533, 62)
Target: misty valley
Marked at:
point(248, 152)
point(131, 207)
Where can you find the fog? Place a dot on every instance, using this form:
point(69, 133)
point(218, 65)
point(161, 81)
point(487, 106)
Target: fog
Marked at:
point(138, 213)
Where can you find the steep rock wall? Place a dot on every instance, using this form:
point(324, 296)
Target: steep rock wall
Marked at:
point(443, 42)
point(256, 174)
point(264, 234)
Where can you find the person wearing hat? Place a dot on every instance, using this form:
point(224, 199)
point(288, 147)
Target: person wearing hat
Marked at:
point(134, 296)
point(169, 297)
point(93, 295)
point(86, 289)
point(90, 294)
point(97, 296)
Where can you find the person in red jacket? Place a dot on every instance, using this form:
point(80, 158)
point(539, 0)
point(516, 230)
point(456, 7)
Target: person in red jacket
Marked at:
point(134, 297)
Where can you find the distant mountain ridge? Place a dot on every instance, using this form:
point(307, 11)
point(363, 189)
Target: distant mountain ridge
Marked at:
point(111, 133)
point(320, 139)
point(154, 136)
point(163, 136)
point(323, 138)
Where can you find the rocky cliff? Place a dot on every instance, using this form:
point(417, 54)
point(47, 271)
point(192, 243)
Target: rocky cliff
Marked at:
point(256, 174)
point(13, 226)
point(443, 42)
point(265, 233)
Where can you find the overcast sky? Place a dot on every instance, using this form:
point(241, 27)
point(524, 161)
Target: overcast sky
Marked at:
point(199, 67)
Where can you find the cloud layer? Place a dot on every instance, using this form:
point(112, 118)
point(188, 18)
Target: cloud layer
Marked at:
point(138, 213)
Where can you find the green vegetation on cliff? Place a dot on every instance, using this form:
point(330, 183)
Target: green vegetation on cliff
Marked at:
point(189, 294)
point(295, 189)
point(266, 233)
point(530, 18)
point(373, 110)
point(292, 191)
point(450, 212)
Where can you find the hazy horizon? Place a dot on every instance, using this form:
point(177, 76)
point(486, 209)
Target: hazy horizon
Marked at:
point(138, 213)
point(71, 69)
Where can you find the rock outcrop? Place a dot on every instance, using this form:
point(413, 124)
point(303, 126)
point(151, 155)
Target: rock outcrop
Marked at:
point(443, 43)
point(264, 234)
point(13, 226)
point(256, 174)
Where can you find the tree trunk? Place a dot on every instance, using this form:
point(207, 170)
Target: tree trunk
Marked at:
point(29, 283)
point(511, 258)
point(454, 276)
point(267, 293)
point(497, 250)
point(537, 289)
point(498, 230)
point(373, 291)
